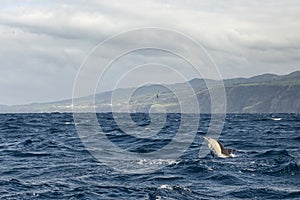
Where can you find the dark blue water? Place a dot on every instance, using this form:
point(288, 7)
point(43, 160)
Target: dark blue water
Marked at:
point(42, 157)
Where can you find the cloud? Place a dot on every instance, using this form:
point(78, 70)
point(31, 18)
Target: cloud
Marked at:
point(44, 43)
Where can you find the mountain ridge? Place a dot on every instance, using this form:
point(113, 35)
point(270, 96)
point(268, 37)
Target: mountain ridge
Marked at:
point(267, 93)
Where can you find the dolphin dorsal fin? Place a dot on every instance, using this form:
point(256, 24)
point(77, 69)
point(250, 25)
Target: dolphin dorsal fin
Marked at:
point(225, 151)
point(221, 146)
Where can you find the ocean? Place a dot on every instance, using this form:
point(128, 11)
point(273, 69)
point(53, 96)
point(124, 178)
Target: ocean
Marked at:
point(43, 157)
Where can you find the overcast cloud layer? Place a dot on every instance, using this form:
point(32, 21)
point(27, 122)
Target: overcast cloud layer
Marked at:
point(44, 42)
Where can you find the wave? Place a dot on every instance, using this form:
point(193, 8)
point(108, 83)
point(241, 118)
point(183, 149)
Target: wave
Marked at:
point(290, 169)
point(226, 179)
point(18, 153)
point(297, 138)
point(264, 193)
point(274, 153)
point(167, 191)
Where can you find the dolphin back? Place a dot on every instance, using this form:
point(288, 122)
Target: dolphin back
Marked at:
point(230, 151)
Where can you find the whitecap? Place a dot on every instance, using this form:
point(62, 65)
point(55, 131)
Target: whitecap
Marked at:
point(157, 162)
point(233, 155)
point(158, 198)
point(168, 187)
point(276, 118)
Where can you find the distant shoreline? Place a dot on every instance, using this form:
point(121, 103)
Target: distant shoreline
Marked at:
point(266, 93)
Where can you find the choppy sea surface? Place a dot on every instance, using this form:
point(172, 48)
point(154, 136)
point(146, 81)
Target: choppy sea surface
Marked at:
point(42, 157)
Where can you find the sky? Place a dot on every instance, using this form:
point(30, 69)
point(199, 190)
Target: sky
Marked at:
point(44, 43)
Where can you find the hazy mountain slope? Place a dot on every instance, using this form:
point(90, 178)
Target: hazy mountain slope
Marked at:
point(267, 93)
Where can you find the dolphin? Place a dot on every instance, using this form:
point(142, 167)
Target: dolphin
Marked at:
point(217, 149)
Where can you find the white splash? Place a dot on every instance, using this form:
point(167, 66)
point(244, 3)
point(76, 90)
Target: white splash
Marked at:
point(157, 162)
point(276, 118)
point(168, 187)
